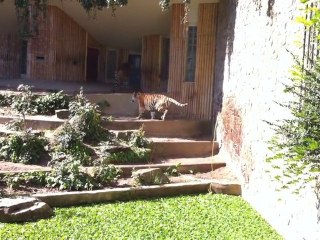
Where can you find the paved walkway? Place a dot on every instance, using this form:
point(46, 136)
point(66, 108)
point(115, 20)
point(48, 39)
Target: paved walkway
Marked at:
point(67, 87)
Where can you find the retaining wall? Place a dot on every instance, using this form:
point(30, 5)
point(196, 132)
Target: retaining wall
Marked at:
point(252, 63)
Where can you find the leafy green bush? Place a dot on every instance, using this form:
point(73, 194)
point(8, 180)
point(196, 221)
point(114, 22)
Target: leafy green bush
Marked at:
point(69, 141)
point(47, 104)
point(136, 155)
point(26, 102)
point(136, 149)
point(87, 119)
point(6, 100)
point(15, 125)
point(25, 147)
point(173, 170)
point(23, 102)
point(138, 139)
point(104, 174)
point(66, 175)
point(15, 181)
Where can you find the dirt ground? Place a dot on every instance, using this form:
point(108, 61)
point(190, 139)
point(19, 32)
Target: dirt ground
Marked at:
point(222, 174)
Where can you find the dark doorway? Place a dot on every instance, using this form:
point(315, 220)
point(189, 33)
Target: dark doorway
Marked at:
point(135, 73)
point(92, 65)
point(23, 59)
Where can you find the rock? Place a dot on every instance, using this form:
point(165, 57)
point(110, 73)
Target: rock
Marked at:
point(150, 176)
point(23, 209)
point(62, 113)
point(125, 135)
point(229, 189)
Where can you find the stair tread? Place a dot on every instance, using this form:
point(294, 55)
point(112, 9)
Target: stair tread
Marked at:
point(194, 160)
point(175, 139)
point(134, 119)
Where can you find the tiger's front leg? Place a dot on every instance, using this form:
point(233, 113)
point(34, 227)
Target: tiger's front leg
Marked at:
point(153, 115)
point(141, 112)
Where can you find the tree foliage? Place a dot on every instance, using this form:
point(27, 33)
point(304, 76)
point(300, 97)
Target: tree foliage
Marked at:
point(296, 143)
point(32, 10)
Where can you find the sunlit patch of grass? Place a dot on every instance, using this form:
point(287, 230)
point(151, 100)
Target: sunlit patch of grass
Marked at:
point(207, 216)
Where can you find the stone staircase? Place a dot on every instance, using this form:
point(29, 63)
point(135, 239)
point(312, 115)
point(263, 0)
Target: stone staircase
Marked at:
point(187, 143)
point(184, 142)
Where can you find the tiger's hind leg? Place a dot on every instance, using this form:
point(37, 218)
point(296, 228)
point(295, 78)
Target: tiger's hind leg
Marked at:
point(153, 115)
point(165, 111)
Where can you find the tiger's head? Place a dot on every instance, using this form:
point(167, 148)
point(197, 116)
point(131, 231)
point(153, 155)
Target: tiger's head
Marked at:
point(135, 95)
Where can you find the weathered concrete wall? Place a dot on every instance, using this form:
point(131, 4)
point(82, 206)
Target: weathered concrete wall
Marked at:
point(252, 63)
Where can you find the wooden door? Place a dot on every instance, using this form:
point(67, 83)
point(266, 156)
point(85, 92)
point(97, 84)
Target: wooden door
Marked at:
point(92, 64)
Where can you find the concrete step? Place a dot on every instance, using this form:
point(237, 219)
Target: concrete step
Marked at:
point(36, 122)
point(168, 128)
point(152, 128)
point(178, 147)
point(184, 165)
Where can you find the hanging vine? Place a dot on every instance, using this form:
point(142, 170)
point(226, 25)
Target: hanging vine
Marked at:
point(165, 4)
point(30, 12)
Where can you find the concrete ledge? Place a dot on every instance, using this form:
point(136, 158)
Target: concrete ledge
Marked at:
point(168, 128)
point(153, 128)
point(183, 149)
point(62, 199)
point(44, 123)
point(127, 169)
point(183, 168)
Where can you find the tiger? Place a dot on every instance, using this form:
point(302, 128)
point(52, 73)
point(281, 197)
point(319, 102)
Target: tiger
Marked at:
point(153, 103)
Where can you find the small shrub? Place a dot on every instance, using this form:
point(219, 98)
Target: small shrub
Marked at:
point(66, 175)
point(87, 119)
point(139, 150)
point(6, 100)
point(23, 102)
point(15, 125)
point(173, 170)
point(136, 155)
point(105, 174)
point(24, 147)
point(47, 104)
point(69, 141)
point(138, 140)
point(25, 179)
point(68, 137)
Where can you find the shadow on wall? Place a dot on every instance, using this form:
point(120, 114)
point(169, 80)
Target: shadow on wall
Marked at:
point(224, 49)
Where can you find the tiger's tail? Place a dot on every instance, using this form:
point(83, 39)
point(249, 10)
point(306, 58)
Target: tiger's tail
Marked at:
point(177, 103)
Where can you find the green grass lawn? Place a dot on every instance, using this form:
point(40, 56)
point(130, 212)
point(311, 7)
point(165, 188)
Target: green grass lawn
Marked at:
point(209, 216)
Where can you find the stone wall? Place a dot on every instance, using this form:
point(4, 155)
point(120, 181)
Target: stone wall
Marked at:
point(254, 41)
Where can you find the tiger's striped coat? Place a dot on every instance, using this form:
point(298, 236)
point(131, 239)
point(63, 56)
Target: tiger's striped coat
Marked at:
point(153, 103)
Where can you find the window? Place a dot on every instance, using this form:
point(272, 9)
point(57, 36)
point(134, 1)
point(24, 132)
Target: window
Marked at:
point(191, 54)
